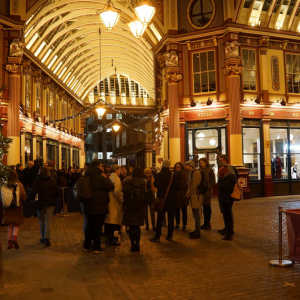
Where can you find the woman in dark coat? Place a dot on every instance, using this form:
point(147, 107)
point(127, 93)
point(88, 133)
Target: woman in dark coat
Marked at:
point(182, 203)
point(226, 184)
point(13, 216)
point(134, 189)
point(149, 198)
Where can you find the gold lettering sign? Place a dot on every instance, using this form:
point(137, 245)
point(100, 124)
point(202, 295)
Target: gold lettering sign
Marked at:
point(272, 114)
point(209, 114)
point(296, 114)
point(251, 113)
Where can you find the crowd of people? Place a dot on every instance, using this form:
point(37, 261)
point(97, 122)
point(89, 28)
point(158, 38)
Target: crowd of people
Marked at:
point(122, 197)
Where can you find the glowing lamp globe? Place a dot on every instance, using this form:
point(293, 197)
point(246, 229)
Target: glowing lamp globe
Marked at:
point(101, 111)
point(110, 17)
point(137, 28)
point(145, 12)
point(116, 127)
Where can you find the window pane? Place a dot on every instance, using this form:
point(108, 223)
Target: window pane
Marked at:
point(246, 80)
point(206, 139)
point(211, 60)
point(196, 67)
point(295, 161)
point(203, 61)
point(223, 141)
point(212, 81)
point(252, 162)
point(278, 138)
point(289, 63)
point(251, 140)
point(204, 82)
point(252, 59)
point(197, 83)
point(245, 58)
point(190, 142)
point(295, 140)
point(295, 64)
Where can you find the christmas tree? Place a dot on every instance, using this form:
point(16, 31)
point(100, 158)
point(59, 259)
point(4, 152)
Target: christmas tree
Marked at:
point(4, 146)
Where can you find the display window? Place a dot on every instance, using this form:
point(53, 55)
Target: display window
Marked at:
point(39, 147)
point(249, 70)
point(28, 147)
point(52, 152)
point(252, 152)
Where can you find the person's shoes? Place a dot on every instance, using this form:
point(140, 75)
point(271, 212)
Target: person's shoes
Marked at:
point(137, 248)
point(183, 227)
point(98, 251)
point(222, 230)
point(47, 243)
point(227, 237)
point(87, 249)
point(176, 227)
point(132, 249)
point(114, 243)
point(205, 226)
point(15, 243)
point(169, 238)
point(155, 239)
point(195, 235)
point(10, 244)
point(225, 232)
point(42, 240)
point(191, 233)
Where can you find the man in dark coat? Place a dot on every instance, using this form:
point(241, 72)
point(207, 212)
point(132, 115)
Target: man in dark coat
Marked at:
point(19, 170)
point(27, 175)
point(96, 207)
point(161, 182)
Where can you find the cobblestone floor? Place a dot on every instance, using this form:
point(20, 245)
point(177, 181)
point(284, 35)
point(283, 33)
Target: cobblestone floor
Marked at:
point(208, 268)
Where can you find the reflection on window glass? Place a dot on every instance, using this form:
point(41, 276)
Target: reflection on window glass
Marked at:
point(279, 148)
point(295, 152)
point(223, 141)
point(249, 70)
point(251, 152)
point(206, 139)
point(293, 73)
point(190, 143)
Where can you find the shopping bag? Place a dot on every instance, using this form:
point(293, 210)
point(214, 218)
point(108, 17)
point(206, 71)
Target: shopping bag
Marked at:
point(237, 193)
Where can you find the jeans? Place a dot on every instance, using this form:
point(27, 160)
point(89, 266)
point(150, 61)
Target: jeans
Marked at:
point(152, 214)
point(45, 216)
point(207, 214)
point(228, 217)
point(221, 204)
point(160, 218)
point(184, 215)
point(196, 215)
point(93, 231)
point(84, 217)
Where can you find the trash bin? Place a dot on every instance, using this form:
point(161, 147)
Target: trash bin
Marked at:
point(293, 233)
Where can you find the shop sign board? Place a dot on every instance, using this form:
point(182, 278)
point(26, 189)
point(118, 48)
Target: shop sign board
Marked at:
point(39, 130)
point(65, 139)
point(51, 135)
point(205, 115)
point(252, 113)
point(279, 114)
point(28, 127)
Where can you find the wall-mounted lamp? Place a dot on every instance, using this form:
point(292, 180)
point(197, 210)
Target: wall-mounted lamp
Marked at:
point(193, 103)
point(209, 101)
point(257, 100)
point(282, 101)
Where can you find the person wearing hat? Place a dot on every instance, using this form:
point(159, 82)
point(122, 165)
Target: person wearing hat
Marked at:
point(194, 179)
point(161, 182)
point(149, 198)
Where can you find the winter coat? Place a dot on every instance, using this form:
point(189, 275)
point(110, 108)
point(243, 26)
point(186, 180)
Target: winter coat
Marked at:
point(161, 182)
point(21, 177)
point(149, 196)
point(133, 217)
point(30, 175)
point(115, 206)
point(76, 176)
point(194, 179)
point(15, 214)
point(183, 185)
point(47, 189)
point(225, 187)
point(101, 186)
point(210, 179)
point(70, 180)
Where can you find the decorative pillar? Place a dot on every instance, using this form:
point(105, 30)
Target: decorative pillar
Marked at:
point(71, 156)
point(82, 154)
point(34, 156)
point(268, 180)
point(59, 155)
point(44, 149)
point(166, 143)
point(22, 150)
point(233, 69)
point(172, 77)
point(13, 123)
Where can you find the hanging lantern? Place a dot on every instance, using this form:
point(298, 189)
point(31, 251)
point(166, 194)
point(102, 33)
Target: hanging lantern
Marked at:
point(116, 127)
point(101, 111)
point(137, 28)
point(110, 15)
point(145, 12)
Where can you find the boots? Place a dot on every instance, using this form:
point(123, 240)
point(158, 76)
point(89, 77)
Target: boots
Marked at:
point(137, 239)
point(132, 239)
point(10, 244)
point(207, 217)
point(147, 225)
point(15, 242)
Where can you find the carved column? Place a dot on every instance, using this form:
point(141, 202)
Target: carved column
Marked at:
point(263, 67)
point(173, 77)
point(82, 154)
point(71, 156)
point(34, 156)
point(13, 123)
point(45, 154)
point(59, 155)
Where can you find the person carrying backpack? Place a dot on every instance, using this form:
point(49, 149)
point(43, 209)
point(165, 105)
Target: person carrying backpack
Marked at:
point(194, 180)
point(134, 190)
point(210, 180)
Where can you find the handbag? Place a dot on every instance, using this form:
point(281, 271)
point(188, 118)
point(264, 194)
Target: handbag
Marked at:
point(38, 204)
point(182, 200)
point(6, 196)
point(237, 193)
point(160, 202)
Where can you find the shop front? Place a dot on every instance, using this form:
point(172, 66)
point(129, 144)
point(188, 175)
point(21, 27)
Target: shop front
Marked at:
point(39, 147)
point(65, 156)
point(75, 158)
point(52, 152)
point(28, 147)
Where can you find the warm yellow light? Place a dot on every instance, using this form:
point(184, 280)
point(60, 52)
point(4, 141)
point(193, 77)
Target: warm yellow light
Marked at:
point(101, 111)
point(110, 17)
point(116, 127)
point(137, 28)
point(145, 12)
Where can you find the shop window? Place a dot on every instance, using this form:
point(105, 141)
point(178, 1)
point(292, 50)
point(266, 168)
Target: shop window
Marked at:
point(100, 155)
point(28, 92)
point(293, 73)
point(119, 116)
point(117, 140)
point(279, 151)
point(201, 13)
point(190, 144)
point(206, 139)
point(251, 152)
point(204, 73)
point(108, 116)
point(38, 97)
point(124, 138)
point(249, 70)
point(108, 155)
point(295, 153)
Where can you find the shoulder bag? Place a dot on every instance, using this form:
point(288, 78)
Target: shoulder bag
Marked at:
point(160, 202)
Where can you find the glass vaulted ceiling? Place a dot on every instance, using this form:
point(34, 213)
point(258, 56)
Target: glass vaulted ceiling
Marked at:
point(64, 35)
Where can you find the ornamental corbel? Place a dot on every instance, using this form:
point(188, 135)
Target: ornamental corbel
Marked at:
point(13, 68)
point(238, 70)
point(173, 77)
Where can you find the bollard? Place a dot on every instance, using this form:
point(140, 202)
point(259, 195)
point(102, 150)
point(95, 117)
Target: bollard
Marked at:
point(280, 262)
point(65, 207)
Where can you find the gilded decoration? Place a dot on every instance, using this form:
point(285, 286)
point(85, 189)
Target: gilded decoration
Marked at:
point(250, 122)
point(275, 73)
point(294, 124)
point(173, 77)
point(220, 123)
point(13, 68)
point(248, 41)
point(171, 59)
point(16, 48)
point(275, 45)
point(202, 44)
point(233, 69)
point(292, 47)
point(232, 50)
point(159, 12)
point(278, 123)
point(196, 125)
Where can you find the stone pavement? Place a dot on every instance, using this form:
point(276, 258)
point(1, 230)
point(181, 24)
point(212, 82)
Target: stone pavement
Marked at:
point(208, 268)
